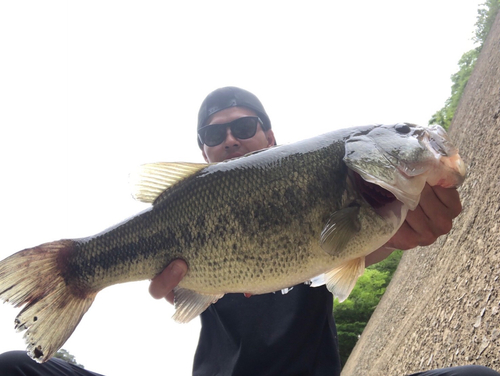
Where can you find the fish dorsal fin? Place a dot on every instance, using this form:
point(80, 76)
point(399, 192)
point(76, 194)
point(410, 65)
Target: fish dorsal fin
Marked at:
point(150, 180)
point(340, 228)
point(189, 304)
point(341, 280)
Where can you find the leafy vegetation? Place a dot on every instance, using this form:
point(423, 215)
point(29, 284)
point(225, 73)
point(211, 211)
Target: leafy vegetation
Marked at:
point(486, 16)
point(352, 315)
point(67, 357)
point(466, 64)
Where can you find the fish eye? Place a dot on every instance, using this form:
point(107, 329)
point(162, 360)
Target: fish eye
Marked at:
point(403, 128)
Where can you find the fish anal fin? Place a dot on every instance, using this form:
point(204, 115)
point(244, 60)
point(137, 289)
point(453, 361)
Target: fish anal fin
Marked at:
point(340, 228)
point(150, 180)
point(189, 304)
point(341, 280)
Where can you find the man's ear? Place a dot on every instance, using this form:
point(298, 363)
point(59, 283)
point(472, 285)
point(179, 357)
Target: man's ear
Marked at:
point(271, 141)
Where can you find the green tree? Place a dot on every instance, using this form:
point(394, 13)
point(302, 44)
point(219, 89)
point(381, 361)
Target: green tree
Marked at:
point(486, 16)
point(67, 357)
point(352, 315)
point(466, 64)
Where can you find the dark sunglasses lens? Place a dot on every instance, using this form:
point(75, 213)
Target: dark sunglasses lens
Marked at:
point(214, 135)
point(244, 128)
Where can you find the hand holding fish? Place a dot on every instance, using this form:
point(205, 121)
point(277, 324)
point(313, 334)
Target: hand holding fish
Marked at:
point(432, 218)
point(162, 286)
point(260, 223)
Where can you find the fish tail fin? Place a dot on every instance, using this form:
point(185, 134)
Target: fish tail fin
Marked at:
point(34, 278)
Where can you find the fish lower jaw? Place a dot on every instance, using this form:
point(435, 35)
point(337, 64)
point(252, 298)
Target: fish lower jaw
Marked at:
point(456, 172)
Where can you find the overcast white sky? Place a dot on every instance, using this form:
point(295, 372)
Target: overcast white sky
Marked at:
point(88, 90)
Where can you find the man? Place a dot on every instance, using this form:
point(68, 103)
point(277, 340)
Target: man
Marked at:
point(270, 334)
point(275, 334)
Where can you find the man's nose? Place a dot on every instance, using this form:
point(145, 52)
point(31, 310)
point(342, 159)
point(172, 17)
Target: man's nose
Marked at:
point(230, 139)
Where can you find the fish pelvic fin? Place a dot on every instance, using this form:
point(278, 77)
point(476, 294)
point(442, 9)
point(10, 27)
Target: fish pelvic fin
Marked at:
point(33, 278)
point(150, 180)
point(341, 280)
point(189, 304)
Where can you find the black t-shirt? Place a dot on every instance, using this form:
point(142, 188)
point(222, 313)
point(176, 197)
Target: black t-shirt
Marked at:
point(270, 334)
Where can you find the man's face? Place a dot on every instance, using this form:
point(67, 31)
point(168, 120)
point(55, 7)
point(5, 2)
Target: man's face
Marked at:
point(233, 147)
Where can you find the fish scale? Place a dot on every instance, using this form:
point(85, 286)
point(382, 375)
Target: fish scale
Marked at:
point(256, 224)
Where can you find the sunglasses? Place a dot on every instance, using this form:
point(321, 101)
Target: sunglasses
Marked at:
point(242, 128)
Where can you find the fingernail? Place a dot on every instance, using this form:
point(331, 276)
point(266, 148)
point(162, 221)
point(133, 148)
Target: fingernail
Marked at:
point(177, 270)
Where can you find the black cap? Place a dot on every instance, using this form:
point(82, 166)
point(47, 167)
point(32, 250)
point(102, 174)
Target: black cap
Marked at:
point(230, 96)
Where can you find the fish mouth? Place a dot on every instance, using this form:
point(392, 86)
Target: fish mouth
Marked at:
point(401, 159)
point(383, 202)
point(376, 196)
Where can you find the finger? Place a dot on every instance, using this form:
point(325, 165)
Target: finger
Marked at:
point(440, 201)
point(432, 218)
point(163, 284)
point(405, 238)
point(434, 215)
point(418, 228)
point(440, 205)
point(450, 198)
point(170, 297)
point(421, 231)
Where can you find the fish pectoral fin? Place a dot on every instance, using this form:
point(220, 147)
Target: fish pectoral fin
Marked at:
point(341, 280)
point(150, 180)
point(189, 304)
point(340, 228)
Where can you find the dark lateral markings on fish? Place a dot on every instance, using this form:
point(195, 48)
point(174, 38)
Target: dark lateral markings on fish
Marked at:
point(303, 212)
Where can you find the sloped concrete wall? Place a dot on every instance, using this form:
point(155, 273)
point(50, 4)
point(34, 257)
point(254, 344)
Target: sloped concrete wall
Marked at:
point(442, 307)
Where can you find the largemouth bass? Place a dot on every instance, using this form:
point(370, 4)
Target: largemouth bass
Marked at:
point(311, 210)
